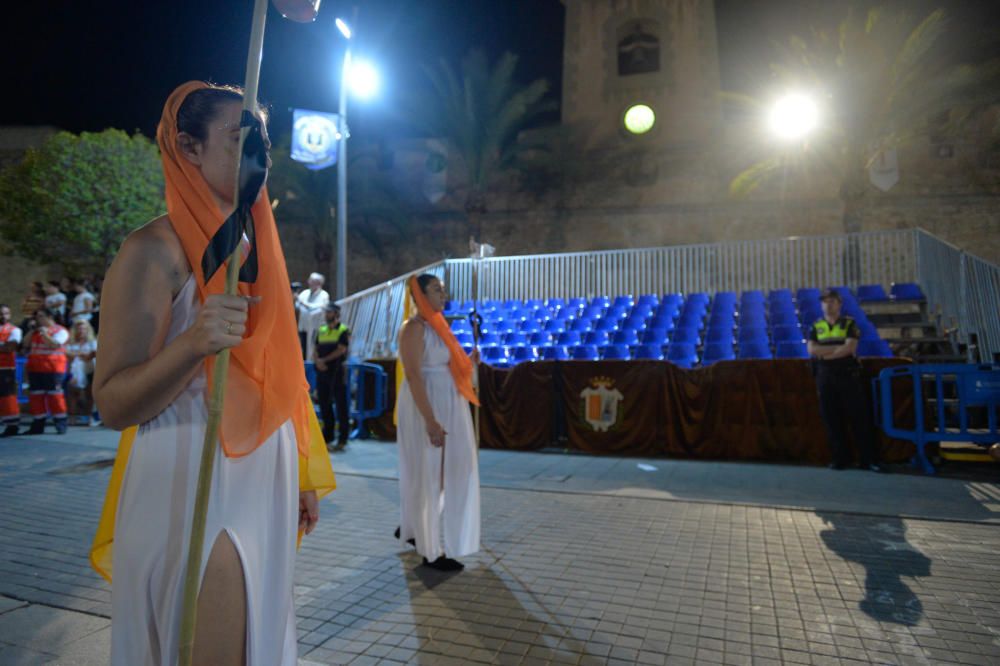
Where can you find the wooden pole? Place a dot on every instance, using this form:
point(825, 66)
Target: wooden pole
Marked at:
point(192, 575)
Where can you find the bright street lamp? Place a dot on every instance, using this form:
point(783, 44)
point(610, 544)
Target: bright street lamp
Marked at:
point(793, 116)
point(363, 79)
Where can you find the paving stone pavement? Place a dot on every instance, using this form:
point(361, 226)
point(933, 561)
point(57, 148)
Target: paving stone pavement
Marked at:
point(563, 577)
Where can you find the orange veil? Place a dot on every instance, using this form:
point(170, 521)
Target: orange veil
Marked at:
point(460, 364)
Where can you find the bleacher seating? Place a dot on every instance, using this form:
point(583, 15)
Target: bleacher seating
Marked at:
point(698, 330)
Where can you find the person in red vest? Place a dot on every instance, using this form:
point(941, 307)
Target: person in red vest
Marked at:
point(10, 340)
point(46, 370)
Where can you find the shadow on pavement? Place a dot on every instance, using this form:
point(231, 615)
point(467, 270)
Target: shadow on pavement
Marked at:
point(882, 549)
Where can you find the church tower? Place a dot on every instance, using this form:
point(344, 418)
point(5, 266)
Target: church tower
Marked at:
point(643, 71)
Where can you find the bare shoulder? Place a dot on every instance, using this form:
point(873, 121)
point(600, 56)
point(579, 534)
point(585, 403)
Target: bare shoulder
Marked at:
point(412, 329)
point(153, 250)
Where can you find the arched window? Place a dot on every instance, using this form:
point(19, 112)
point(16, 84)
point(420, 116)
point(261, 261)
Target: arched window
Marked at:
point(638, 48)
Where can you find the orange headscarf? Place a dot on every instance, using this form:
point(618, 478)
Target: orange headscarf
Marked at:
point(267, 381)
point(460, 364)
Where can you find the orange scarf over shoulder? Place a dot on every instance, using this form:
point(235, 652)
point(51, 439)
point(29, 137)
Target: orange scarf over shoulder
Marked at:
point(267, 381)
point(460, 364)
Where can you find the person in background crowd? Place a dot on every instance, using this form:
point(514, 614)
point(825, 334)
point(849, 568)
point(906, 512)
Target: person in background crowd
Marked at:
point(55, 302)
point(46, 369)
point(296, 288)
point(83, 303)
point(833, 346)
point(330, 351)
point(10, 340)
point(32, 303)
point(81, 352)
point(311, 304)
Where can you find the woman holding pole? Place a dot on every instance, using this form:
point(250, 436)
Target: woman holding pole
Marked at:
point(438, 464)
point(161, 326)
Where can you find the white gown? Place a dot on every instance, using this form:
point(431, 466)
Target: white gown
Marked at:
point(254, 499)
point(429, 513)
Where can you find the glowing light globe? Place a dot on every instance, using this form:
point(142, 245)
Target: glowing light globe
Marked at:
point(793, 116)
point(300, 11)
point(639, 119)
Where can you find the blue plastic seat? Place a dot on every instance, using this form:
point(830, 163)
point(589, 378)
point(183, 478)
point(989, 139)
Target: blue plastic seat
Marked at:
point(530, 326)
point(609, 325)
point(781, 306)
point(754, 350)
point(522, 354)
point(660, 322)
point(465, 338)
point(720, 334)
point(868, 293)
point(494, 355)
point(515, 340)
point(626, 336)
point(576, 303)
point(809, 316)
point(906, 291)
point(649, 352)
point(669, 310)
point(615, 353)
point(753, 320)
point(717, 351)
point(752, 335)
point(787, 333)
point(808, 294)
point(554, 353)
point(674, 298)
point(722, 321)
point(554, 326)
point(634, 323)
point(648, 299)
point(596, 338)
point(461, 326)
point(784, 318)
point(489, 340)
point(555, 303)
point(600, 301)
point(641, 310)
point(697, 297)
point(874, 347)
point(682, 354)
point(868, 330)
point(694, 308)
point(791, 349)
point(581, 325)
point(593, 312)
point(776, 295)
point(534, 303)
point(501, 327)
point(540, 339)
point(624, 301)
point(691, 320)
point(685, 336)
point(655, 336)
point(584, 353)
point(570, 338)
point(752, 296)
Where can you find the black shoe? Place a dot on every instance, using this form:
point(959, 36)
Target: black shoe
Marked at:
point(9, 431)
point(37, 427)
point(444, 564)
point(412, 542)
point(836, 466)
point(341, 445)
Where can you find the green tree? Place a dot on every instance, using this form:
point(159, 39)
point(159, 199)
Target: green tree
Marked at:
point(74, 199)
point(889, 79)
point(479, 110)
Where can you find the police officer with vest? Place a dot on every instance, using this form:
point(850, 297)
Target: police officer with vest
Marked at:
point(833, 344)
point(330, 354)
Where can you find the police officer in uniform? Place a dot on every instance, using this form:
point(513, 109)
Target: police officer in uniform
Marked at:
point(330, 354)
point(833, 344)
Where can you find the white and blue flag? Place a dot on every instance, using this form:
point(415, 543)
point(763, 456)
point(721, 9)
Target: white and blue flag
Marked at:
point(315, 138)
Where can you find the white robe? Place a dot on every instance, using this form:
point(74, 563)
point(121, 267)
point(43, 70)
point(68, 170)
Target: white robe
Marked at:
point(442, 520)
point(254, 499)
point(311, 306)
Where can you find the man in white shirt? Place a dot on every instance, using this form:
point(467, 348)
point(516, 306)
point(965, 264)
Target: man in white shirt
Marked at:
point(83, 303)
point(311, 305)
point(55, 301)
point(10, 341)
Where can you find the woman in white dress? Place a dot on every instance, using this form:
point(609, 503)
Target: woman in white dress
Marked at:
point(438, 462)
point(161, 326)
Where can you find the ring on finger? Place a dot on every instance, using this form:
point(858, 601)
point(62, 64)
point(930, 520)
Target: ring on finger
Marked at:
point(229, 328)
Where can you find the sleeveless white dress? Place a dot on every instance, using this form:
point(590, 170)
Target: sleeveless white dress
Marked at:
point(432, 512)
point(254, 500)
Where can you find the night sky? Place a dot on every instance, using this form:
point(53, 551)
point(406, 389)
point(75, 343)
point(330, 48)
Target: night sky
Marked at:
point(96, 64)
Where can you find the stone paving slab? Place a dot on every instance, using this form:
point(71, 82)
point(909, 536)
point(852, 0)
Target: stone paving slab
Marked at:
point(563, 577)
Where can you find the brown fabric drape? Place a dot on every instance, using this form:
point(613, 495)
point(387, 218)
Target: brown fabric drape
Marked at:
point(736, 410)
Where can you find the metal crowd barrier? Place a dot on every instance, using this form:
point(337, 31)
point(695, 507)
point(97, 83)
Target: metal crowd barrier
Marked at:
point(359, 376)
point(943, 397)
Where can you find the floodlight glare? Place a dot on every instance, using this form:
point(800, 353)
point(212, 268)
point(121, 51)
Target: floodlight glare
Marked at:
point(363, 79)
point(793, 116)
point(639, 119)
point(344, 30)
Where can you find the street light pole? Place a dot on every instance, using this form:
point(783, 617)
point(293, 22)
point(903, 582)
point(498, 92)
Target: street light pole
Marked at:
point(342, 180)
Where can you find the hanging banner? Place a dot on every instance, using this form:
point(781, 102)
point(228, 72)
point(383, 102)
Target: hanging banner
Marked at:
point(884, 171)
point(315, 138)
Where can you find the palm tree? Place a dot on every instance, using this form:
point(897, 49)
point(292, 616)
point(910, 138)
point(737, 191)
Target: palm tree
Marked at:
point(479, 110)
point(888, 81)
